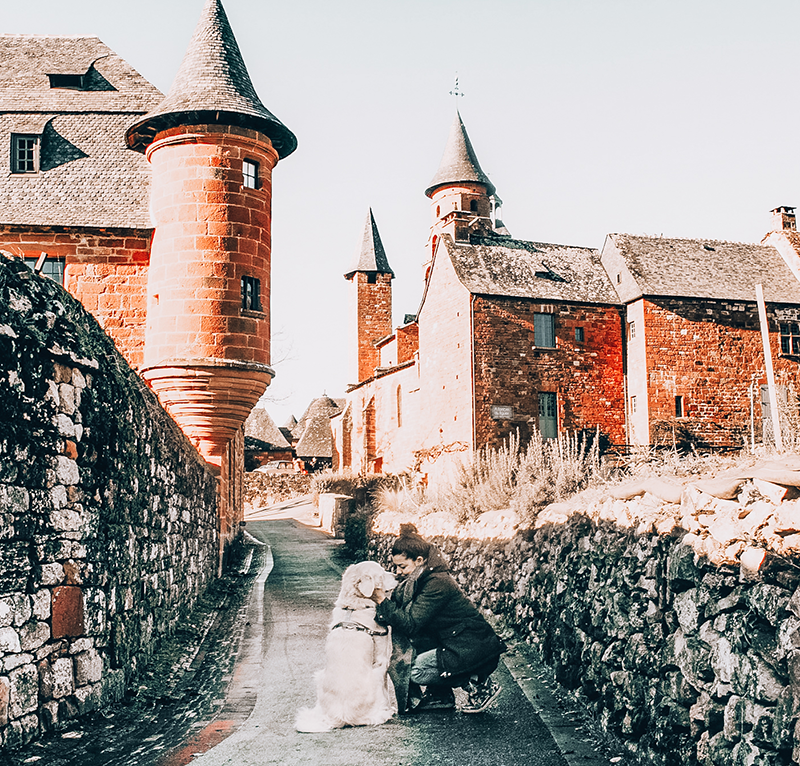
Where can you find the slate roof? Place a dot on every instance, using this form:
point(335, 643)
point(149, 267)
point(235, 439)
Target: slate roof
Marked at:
point(372, 256)
point(87, 176)
point(259, 425)
point(213, 86)
point(699, 268)
point(314, 428)
point(519, 269)
point(459, 161)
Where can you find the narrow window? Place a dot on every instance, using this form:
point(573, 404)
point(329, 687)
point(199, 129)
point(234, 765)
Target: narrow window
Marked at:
point(678, 406)
point(251, 294)
point(631, 330)
point(579, 335)
point(399, 406)
point(544, 332)
point(790, 338)
point(250, 174)
point(24, 154)
point(633, 404)
point(473, 206)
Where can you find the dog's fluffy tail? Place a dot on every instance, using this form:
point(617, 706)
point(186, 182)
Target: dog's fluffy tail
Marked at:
point(312, 719)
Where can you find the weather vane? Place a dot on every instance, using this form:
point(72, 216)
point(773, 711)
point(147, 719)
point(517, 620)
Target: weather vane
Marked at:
point(456, 92)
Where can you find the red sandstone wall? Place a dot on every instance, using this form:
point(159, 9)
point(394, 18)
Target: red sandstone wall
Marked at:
point(509, 370)
point(210, 232)
point(709, 352)
point(106, 270)
point(407, 342)
point(373, 319)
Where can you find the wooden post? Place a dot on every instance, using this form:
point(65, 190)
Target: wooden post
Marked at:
point(773, 395)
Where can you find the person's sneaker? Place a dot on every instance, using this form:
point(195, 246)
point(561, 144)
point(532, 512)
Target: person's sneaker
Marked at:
point(480, 696)
point(437, 701)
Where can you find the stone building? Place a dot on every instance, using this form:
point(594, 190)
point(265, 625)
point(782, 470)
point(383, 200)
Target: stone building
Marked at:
point(510, 336)
point(156, 213)
point(694, 353)
point(651, 340)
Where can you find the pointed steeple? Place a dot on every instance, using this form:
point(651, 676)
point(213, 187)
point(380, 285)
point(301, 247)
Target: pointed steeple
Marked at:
point(459, 162)
point(372, 256)
point(212, 86)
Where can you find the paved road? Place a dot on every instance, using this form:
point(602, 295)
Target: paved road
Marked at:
point(297, 600)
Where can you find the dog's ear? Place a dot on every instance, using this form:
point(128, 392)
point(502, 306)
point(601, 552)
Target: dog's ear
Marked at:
point(365, 586)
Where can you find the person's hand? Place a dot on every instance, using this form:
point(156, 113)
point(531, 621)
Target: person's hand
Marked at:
point(378, 595)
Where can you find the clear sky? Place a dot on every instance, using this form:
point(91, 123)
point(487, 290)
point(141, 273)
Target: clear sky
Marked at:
point(673, 117)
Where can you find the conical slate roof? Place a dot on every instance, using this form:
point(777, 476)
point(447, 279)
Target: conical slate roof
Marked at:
point(212, 86)
point(459, 162)
point(372, 256)
point(314, 429)
point(259, 425)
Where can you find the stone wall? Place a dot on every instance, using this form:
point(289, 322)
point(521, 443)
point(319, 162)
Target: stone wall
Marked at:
point(109, 516)
point(710, 353)
point(684, 645)
point(584, 369)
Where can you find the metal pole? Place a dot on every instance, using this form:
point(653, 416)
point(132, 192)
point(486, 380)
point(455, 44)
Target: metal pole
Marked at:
point(773, 396)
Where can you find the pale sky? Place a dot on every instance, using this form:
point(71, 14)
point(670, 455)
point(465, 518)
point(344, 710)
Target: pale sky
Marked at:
point(674, 117)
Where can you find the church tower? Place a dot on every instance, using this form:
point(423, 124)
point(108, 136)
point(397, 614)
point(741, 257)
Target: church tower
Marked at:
point(212, 146)
point(461, 194)
point(371, 300)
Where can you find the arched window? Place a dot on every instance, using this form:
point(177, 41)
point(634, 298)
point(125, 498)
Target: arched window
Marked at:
point(399, 406)
point(438, 210)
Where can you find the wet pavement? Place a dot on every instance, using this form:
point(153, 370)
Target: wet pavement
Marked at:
point(228, 690)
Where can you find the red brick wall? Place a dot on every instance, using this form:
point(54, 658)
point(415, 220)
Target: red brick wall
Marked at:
point(210, 232)
point(373, 309)
point(106, 270)
point(587, 377)
point(709, 352)
point(407, 342)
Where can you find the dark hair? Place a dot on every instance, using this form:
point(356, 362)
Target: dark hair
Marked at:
point(411, 546)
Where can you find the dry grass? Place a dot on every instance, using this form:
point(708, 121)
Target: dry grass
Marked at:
point(522, 479)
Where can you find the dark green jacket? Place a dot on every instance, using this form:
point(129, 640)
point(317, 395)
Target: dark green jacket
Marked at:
point(437, 615)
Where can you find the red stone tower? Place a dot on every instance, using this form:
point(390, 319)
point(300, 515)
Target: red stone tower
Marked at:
point(461, 194)
point(212, 146)
point(372, 300)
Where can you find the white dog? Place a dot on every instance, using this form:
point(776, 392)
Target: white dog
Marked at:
point(354, 688)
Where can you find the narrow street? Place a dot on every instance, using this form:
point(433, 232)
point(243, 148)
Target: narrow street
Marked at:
point(237, 702)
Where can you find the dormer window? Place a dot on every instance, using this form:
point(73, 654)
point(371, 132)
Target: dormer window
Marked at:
point(68, 81)
point(24, 153)
point(250, 174)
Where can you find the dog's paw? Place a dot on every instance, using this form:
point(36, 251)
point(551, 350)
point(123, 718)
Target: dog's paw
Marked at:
point(312, 720)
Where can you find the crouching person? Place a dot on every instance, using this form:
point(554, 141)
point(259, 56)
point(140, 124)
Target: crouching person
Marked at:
point(455, 646)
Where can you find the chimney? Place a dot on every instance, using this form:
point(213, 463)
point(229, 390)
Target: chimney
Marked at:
point(784, 219)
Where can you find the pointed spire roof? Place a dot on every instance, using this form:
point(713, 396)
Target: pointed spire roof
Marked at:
point(212, 86)
point(372, 256)
point(459, 162)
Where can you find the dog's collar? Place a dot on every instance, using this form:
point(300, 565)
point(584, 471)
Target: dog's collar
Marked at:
point(359, 626)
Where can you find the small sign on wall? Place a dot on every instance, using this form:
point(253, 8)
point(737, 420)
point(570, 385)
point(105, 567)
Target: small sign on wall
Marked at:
point(502, 412)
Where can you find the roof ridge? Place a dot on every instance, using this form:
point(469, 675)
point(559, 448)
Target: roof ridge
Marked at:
point(690, 239)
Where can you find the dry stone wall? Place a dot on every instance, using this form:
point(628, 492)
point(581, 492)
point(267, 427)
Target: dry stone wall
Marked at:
point(684, 644)
point(108, 517)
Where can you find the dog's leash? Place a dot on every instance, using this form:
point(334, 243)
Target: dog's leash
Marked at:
point(359, 626)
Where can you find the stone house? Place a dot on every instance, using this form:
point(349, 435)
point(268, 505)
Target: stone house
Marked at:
point(651, 340)
point(510, 336)
point(694, 353)
point(156, 212)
